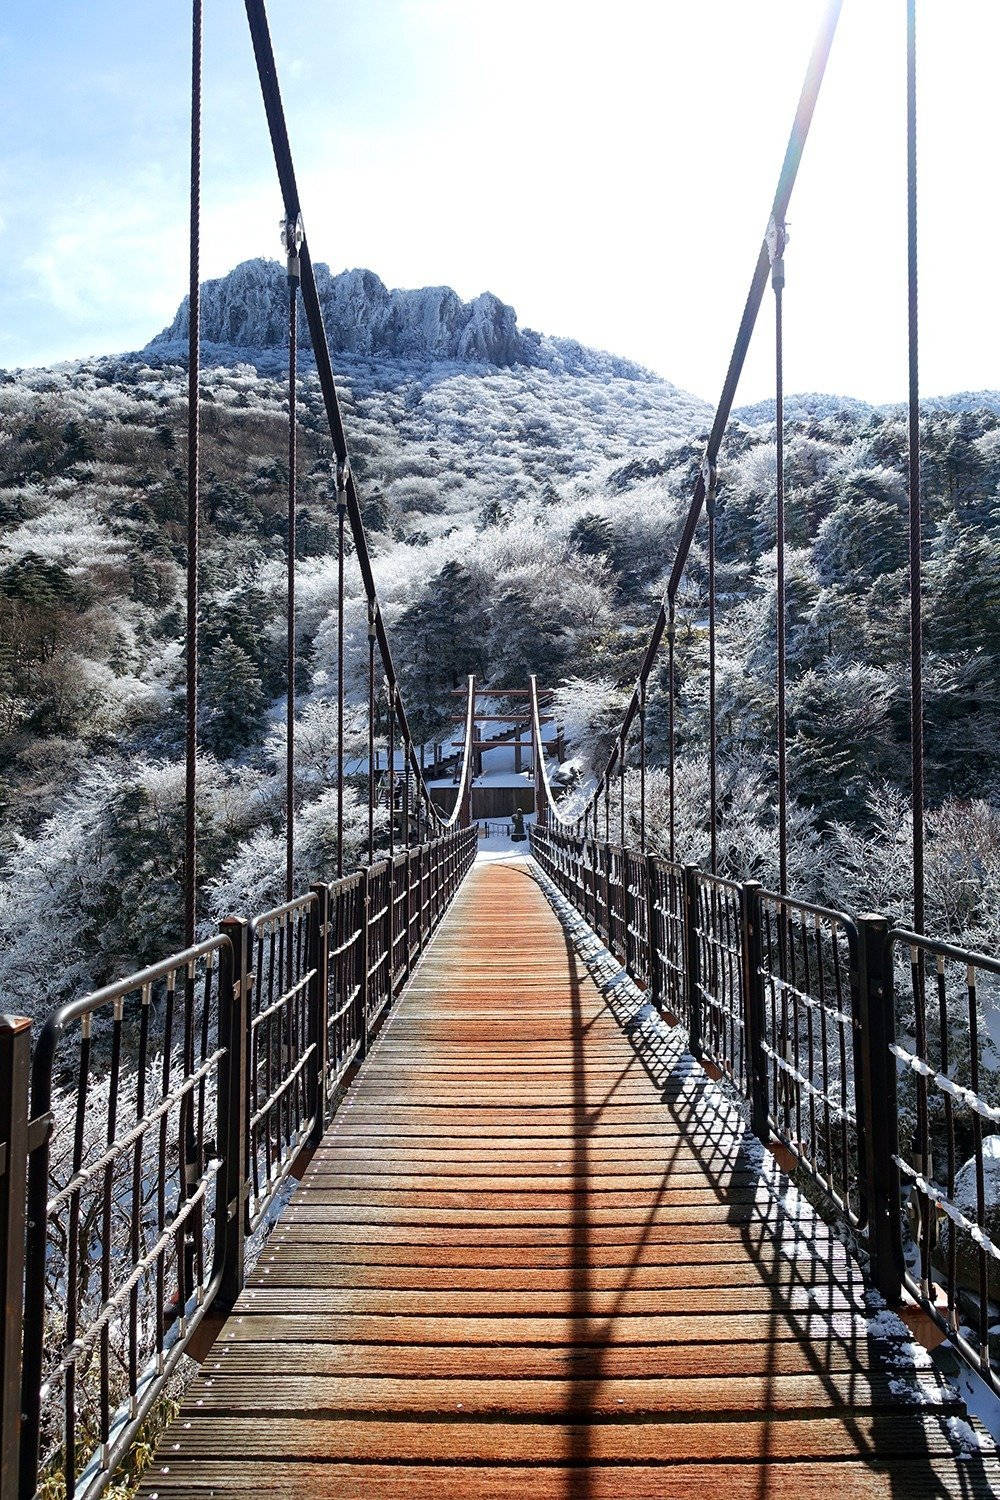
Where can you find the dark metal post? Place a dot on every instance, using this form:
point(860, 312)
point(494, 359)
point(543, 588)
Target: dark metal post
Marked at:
point(691, 963)
point(621, 791)
point(753, 1000)
point(319, 989)
point(15, 1055)
point(363, 976)
point(234, 1006)
point(877, 1109)
point(606, 851)
point(390, 931)
point(410, 913)
point(654, 965)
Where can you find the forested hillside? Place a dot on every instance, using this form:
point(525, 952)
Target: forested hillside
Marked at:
point(522, 518)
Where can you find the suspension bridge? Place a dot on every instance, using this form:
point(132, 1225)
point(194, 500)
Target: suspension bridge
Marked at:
point(576, 1172)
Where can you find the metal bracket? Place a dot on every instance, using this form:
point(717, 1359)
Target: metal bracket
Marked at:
point(710, 478)
point(292, 236)
point(343, 475)
point(776, 238)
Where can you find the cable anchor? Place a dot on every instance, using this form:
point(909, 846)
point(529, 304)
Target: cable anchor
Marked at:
point(709, 476)
point(343, 475)
point(292, 236)
point(776, 238)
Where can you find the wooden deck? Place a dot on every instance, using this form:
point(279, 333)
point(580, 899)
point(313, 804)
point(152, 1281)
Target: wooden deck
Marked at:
point(535, 1258)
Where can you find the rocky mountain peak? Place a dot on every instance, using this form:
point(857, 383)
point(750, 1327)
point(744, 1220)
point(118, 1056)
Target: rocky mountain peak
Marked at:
point(247, 311)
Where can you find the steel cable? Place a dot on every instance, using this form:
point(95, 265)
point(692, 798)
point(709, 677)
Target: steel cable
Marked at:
point(290, 600)
point(801, 124)
point(916, 637)
point(193, 478)
point(341, 516)
point(713, 811)
point(777, 245)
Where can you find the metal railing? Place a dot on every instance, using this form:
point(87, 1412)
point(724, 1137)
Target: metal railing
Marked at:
point(126, 1231)
point(946, 1160)
point(844, 1036)
point(282, 1108)
point(163, 1116)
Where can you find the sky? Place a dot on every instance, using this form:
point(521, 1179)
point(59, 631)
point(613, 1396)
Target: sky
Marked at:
point(606, 168)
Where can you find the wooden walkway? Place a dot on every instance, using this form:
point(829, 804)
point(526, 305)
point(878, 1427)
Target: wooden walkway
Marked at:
point(535, 1258)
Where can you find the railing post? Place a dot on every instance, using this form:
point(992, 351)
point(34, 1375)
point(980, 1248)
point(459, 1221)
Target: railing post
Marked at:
point(654, 970)
point(623, 906)
point(390, 934)
point(606, 934)
point(691, 964)
point(408, 911)
point(877, 1109)
point(425, 888)
point(15, 1055)
point(234, 1009)
point(754, 1010)
point(363, 976)
point(319, 1008)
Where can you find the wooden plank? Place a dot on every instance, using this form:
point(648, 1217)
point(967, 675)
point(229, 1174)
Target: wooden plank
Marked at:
point(246, 1326)
point(863, 1478)
point(351, 1441)
point(527, 1261)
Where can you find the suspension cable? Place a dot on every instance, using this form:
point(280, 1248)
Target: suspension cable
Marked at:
point(193, 486)
point(271, 94)
point(391, 706)
point(916, 640)
point(642, 769)
point(671, 691)
point(621, 791)
point(809, 94)
point(371, 733)
point(341, 515)
point(777, 238)
point(713, 777)
point(291, 238)
point(406, 802)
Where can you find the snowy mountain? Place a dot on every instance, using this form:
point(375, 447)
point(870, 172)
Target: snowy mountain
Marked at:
point(246, 311)
point(523, 498)
point(823, 405)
